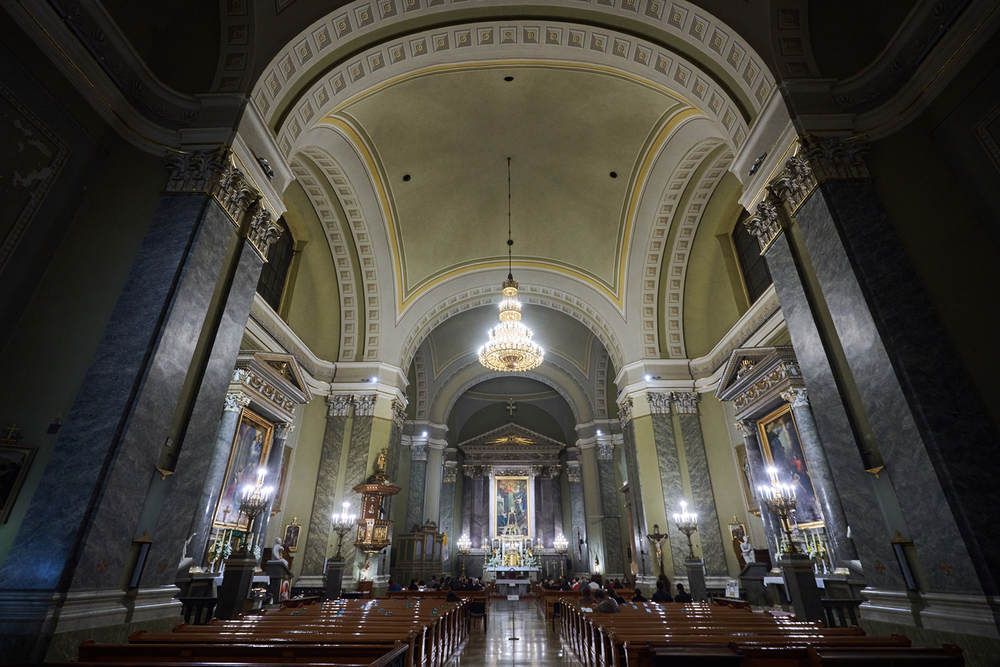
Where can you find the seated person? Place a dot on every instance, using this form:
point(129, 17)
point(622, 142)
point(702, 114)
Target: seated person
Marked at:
point(564, 585)
point(605, 605)
point(662, 594)
point(588, 596)
point(452, 597)
point(393, 586)
point(638, 597)
point(613, 594)
point(682, 595)
point(617, 584)
point(575, 585)
point(413, 585)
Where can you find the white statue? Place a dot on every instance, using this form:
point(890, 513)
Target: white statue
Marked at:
point(747, 549)
point(185, 559)
point(278, 551)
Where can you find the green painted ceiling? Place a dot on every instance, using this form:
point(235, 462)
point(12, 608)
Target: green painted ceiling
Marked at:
point(565, 130)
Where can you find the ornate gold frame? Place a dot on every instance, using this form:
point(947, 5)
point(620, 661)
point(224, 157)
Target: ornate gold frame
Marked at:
point(249, 416)
point(762, 423)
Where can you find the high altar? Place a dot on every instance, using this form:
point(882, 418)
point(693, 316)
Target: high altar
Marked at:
point(513, 478)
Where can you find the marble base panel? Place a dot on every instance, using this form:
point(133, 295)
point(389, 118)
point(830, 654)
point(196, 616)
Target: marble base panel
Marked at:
point(944, 612)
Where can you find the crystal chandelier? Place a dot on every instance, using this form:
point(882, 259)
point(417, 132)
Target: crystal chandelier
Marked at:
point(510, 348)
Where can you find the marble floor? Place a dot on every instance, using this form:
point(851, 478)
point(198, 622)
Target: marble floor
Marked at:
point(536, 644)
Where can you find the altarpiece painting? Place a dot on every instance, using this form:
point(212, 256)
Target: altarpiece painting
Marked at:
point(783, 450)
point(512, 515)
point(249, 453)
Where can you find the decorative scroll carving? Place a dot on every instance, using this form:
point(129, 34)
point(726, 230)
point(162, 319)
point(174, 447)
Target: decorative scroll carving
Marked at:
point(796, 396)
point(553, 472)
point(282, 430)
point(236, 401)
point(764, 223)
point(625, 412)
point(214, 174)
point(747, 427)
point(785, 371)
point(398, 413)
point(605, 451)
point(659, 402)
point(364, 406)
point(338, 406)
point(450, 473)
point(263, 387)
point(262, 230)
point(573, 471)
point(418, 452)
point(685, 402)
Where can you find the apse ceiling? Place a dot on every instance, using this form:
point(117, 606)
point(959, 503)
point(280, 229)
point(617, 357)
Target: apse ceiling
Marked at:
point(566, 130)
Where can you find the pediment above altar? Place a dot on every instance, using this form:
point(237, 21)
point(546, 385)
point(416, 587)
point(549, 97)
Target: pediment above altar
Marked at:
point(755, 376)
point(274, 382)
point(512, 443)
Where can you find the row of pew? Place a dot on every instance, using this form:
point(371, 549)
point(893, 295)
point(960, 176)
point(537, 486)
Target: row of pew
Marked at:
point(379, 633)
point(648, 634)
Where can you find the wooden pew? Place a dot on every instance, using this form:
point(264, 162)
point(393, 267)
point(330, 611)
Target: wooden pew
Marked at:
point(221, 655)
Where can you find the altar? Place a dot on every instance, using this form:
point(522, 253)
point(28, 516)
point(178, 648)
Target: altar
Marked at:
point(519, 587)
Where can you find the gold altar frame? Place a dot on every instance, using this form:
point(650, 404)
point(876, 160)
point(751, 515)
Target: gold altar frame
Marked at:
point(529, 496)
point(238, 451)
point(766, 423)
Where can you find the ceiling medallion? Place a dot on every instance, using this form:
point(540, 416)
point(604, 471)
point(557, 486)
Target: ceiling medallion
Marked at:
point(510, 348)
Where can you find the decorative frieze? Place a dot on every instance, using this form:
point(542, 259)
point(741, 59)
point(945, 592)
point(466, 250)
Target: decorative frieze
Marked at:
point(605, 451)
point(685, 402)
point(746, 427)
point(236, 401)
point(764, 223)
point(625, 412)
point(262, 231)
point(364, 406)
point(418, 452)
point(796, 396)
point(338, 406)
point(398, 413)
point(213, 173)
point(450, 473)
point(659, 402)
point(785, 371)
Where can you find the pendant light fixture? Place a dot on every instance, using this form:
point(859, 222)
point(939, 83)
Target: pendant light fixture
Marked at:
point(510, 348)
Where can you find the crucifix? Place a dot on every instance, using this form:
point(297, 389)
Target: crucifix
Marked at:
point(511, 406)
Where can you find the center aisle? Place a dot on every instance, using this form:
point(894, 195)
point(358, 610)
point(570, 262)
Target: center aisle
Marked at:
point(537, 645)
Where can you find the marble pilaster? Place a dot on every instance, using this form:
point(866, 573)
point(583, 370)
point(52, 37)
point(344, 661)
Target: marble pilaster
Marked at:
point(448, 483)
point(468, 480)
point(841, 545)
point(614, 560)
point(709, 531)
point(355, 473)
point(638, 537)
point(325, 496)
point(557, 506)
point(415, 500)
point(577, 535)
point(479, 510)
point(432, 485)
point(673, 488)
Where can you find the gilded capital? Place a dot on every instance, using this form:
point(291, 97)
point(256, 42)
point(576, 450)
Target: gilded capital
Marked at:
point(212, 173)
point(796, 396)
point(262, 231)
point(625, 412)
point(338, 406)
point(764, 223)
point(364, 406)
point(236, 401)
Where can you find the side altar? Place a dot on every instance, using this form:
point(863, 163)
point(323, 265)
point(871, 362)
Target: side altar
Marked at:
point(510, 557)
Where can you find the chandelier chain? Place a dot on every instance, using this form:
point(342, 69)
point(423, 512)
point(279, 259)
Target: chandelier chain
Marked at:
point(510, 241)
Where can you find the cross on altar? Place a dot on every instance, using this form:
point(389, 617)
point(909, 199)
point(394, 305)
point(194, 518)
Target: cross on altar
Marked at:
point(13, 433)
point(511, 406)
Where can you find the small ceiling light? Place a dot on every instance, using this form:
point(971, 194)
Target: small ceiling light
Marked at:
point(510, 348)
point(648, 378)
point(374, 379)
point(425, 434)
point(406, 177)
point(598, 431)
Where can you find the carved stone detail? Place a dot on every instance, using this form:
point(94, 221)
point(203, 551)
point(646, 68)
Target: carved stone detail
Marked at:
point(236, 401)
point(262, 231)
point(685, 402)
point(282, 430)
point(786, 370)
point(553, 472)
point(746, 426)
point(398, 413)
point(573, 471)
point(764, 223)
point(418, 452)
point(364, 406)
point(263, 388)
point(796, 396)
point(605, 451)
point(450, 473)
point(625, 412)
point(795, 182)
point(470, 471)
point(659, 402)
point(835, 159)
point(214, 174)
point(338, 406)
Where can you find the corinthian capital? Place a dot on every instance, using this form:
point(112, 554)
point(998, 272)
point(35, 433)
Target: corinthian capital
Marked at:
point(605, 451)
point(835, 159)
point(625, 412)
point(398, 413)
point(796, 396)
point(364, 406)
point(262, 231)
point(685, 402)
point(338, 406)
point(236, 401)
point(747, 427)
point(659, 402)
point(764, 223)
point(213, 173)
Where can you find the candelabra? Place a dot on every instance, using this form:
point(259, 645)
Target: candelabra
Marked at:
point(656, 537)
point(561, 545)
point(343, 523)
point(780, 499)
point(687, 523)
point(464, 545)
point(255, 499)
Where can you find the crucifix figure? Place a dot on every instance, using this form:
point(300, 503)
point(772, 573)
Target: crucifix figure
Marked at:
point(511, 406)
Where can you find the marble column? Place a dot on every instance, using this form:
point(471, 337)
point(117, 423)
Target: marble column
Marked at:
point(543, 536)
point(468, 496)
point(123, 417)
point(668, 458)
point(418, 475)
point(449, 476)
point(357, 470)
point(577, 536)
point(555, 493)
point(614, 560)
point(325, 497)
point(841, 546)
point(432, 484)
point(758, 477)
point(713, 551)
point(278, 439)
point(638, 538)
point(480, 522)
point(483, 507)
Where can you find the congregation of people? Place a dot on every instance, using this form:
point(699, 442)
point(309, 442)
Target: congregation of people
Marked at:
point(606, 597)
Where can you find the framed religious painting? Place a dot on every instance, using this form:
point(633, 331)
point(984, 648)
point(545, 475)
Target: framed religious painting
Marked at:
point(511, 514)
point(14, 463)
point(291, 541)
point(248, 454)
point(743, 471)
point(286, 463)
point(779, 437)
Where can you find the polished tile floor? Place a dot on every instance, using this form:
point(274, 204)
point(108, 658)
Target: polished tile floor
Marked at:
point(536, 644)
